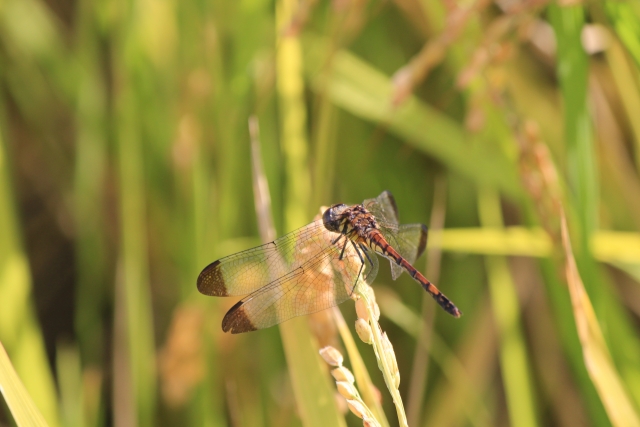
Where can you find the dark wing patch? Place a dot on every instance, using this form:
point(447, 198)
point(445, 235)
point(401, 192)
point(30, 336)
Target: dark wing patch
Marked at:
point(237, 321)
point(211, 281)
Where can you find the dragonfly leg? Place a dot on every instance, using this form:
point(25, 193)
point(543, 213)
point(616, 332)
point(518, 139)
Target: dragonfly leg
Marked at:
point(357, 251)
point(357, 277)
point(337, 239)
point(346, 242)
point(366, 253)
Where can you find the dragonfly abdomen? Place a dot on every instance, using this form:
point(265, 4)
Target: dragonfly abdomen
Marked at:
point(378, 243)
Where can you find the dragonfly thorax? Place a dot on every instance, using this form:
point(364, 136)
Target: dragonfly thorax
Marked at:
point(352, 221)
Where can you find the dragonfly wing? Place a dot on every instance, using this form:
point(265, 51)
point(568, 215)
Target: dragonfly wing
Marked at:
point(383, 208)
point(409, 241)
point(247, 271)
point(322, 282)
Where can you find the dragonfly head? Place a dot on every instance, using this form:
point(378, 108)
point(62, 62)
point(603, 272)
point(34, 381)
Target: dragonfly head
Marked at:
point(332, 217)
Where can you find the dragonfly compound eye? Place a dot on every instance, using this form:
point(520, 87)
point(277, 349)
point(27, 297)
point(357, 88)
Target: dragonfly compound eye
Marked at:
point(332, 217)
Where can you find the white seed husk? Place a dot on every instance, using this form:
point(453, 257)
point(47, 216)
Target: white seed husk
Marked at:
point(361, 309)
point(346, 389)
point(356, 407)
point(363, 329)
point(343, 374)
point(332, 356)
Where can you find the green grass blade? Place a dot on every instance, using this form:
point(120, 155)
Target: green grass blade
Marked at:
point(361, 89)
point(494, 241)
point(71, 389)
point(19, 330)
point(625, 76)
point(514, 361)
point(612, 247)
point(573, 71)
point(466, 371)
point(89, 180)
point(311, 384)
point(22, 407)
point(625, 17)
point(312, 388)
point(134, 294)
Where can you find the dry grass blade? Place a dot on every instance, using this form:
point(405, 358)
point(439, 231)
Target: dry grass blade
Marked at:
point(596, 356)
point(311, 388)
point(315, 400)
point(434, 51)
point(541, 180)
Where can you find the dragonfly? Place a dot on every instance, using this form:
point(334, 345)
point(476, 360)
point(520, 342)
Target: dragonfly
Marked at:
point(318, 266)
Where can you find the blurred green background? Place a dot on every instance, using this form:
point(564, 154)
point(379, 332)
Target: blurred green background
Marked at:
point(126, 167)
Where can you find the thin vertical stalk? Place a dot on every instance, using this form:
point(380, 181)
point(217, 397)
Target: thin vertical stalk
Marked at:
point(420, 367)
point(626, 80)
point(325, 143)
point(311, 386)
point(573, 72)
point(69, 372)
point(290, 85)
point(310, 383)
point(513, 352)
point(89, 181)
point(134, 294)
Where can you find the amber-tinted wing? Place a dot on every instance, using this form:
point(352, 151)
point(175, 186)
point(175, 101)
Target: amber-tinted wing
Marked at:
point(297, 274)
point(408, 240)
point(322, 282)
point(247, 271)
